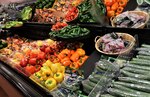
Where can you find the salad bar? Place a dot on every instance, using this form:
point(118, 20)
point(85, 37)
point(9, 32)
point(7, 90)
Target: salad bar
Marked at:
point(76, 48)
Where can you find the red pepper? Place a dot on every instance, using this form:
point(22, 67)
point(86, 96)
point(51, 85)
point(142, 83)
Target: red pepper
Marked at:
point(30, 69)
point(32, 61)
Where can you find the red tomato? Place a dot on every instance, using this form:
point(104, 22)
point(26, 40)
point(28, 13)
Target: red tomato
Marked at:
point(56, 53)
point(24, 62)
point(41, 55)
point(47, 50)
point(37, 68)
point(42, 48)
point(63, 24)
point(33, 55)
point(32, 61)
point(30, 69)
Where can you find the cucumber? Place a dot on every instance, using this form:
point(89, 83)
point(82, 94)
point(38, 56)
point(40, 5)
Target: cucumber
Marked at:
point(145, 45)
point(134, 80)
point(106, 95)
point(143, 57)
point(139, 93)
point(144, 53)
point(143, 49)
point(105, 65)
point(143, 88)
point(102, 67)
point(138, 76)
point(140, 62)
point(140, 2)
point(120, 93)
point(135, 70)
point(86, 88)
point(139, 67)
point(137, 59)
point(95, 77)
point(93, 80)
point(99, 76)
point(92, 84)
point(99, 69)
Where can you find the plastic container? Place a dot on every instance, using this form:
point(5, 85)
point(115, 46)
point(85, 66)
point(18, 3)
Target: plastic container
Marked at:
point(109, 71)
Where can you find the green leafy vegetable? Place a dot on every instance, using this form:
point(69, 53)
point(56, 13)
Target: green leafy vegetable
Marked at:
point(12, 24)
point(26, 13)
point(84, 12)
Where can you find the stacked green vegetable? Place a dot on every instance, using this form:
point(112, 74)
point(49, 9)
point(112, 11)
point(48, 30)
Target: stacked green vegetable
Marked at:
point(3, 44)
point(84, 12)
point(100, 78)
point(40, 4)
point(70, 32)
point(135, 77)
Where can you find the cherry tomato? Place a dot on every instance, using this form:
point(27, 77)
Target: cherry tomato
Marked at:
point(24, 62)
point(32, 61)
